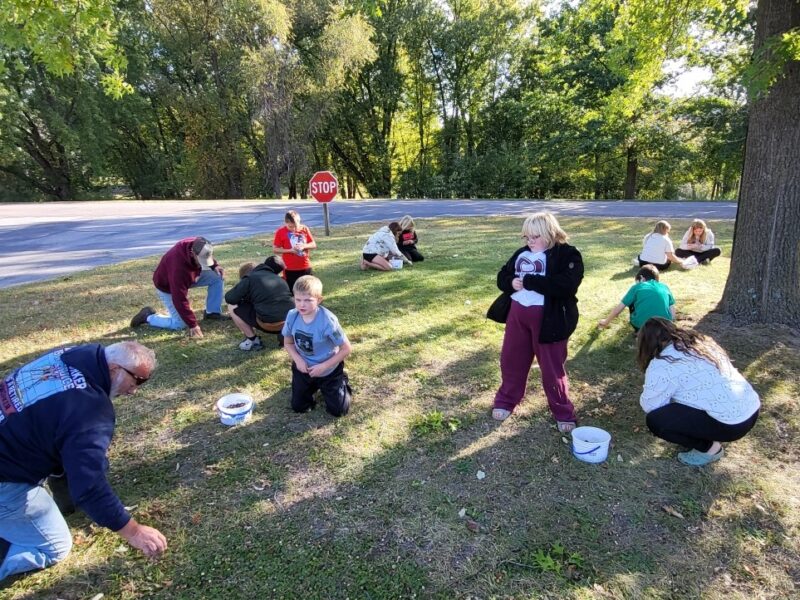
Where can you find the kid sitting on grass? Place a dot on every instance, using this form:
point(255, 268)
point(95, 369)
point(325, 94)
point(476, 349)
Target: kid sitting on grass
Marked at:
point(318, 346)
point(646, 298)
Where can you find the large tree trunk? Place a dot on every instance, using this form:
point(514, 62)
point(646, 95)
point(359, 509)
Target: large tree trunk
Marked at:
point(631, 172)
point(764, 282)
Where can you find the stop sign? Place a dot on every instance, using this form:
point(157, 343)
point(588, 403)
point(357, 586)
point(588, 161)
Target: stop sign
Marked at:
point(323, 186)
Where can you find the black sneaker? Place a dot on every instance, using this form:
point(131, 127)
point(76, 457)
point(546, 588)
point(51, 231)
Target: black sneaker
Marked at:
point(141, 316)
point(215, 316)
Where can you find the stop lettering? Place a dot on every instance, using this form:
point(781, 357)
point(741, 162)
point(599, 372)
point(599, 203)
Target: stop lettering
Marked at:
point(323, 186)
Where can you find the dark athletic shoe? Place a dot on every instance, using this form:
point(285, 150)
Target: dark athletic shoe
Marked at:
point(141, 316)
point(215, 316)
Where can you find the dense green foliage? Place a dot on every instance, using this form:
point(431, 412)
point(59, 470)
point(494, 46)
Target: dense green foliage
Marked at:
point(466, 98)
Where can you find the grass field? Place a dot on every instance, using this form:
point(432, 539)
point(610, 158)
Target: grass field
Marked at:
point(386, 502)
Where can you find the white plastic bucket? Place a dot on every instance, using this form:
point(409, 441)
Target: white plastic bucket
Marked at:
point(235, 408)
point(590, 444)
point(397, 263)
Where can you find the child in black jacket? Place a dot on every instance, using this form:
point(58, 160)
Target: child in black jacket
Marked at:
point(408, 240)
point(542, 280)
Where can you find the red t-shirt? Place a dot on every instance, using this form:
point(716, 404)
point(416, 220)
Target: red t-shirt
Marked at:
point(286, 239)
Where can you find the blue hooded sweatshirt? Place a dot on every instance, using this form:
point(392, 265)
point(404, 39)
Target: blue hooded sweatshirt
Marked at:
point(56, 414)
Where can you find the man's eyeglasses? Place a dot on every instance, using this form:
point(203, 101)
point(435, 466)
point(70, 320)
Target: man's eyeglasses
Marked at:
point(139, 380)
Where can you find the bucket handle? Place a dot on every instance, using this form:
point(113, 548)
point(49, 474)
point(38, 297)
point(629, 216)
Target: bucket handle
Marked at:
point(595, 449)
point(222, 410)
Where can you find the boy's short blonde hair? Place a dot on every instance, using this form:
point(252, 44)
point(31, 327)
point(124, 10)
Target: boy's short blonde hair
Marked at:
point(308, 284)
point(545, 225)
point(246, 269)
point(406, 223)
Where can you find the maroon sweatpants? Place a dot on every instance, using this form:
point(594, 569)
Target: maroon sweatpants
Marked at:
point(520, 346)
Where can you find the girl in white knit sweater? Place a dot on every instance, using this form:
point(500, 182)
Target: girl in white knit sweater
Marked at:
point(693, 395)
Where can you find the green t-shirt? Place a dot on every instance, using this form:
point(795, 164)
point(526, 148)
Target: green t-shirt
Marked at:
point(648, 299)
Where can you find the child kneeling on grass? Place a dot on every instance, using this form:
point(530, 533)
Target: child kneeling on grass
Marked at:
point(646, 298)
point(318, 346)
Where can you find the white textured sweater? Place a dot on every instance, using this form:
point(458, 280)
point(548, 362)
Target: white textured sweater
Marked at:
point(723, 394)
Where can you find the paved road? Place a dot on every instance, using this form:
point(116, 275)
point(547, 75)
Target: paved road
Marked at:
point(43, 241)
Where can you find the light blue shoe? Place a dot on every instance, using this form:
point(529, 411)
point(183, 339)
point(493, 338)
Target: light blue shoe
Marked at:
point(695, 458)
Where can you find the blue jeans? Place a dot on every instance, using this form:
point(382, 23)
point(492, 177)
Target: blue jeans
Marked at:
point(31, 523)
point(209, 279)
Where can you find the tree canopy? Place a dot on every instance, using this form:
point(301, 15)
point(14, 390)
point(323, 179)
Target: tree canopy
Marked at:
point(466, 98)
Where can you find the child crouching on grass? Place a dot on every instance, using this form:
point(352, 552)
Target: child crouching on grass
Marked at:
point(646, 298)
point(318, 346)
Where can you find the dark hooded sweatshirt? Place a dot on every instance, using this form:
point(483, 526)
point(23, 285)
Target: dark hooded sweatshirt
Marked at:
point(266, 291)
point(175, 274)
point(56, 414)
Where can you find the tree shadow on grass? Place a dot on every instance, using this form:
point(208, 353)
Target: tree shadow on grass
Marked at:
point(309, 514)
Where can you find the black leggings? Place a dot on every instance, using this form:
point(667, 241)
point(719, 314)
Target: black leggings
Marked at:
point(411, 253)
point(661, 268)
point(693, 428)
point(708, 255)
point(292, 276)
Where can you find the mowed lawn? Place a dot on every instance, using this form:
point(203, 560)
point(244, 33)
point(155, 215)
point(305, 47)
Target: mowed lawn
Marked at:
point(387, 502)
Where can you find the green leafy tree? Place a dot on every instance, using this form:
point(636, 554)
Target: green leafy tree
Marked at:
point(64, 37)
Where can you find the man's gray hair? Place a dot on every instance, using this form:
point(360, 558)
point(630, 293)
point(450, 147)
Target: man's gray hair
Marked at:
point(131, 355)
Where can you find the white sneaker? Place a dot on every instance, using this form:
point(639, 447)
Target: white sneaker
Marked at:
point(254, 344)
point(635, 262)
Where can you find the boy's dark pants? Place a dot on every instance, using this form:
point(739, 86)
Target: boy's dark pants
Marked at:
point(335, 388)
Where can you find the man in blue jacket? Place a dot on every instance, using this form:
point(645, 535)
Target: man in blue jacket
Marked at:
point(56, 416)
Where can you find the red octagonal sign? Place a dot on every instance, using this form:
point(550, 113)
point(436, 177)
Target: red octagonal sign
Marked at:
point(323, 186)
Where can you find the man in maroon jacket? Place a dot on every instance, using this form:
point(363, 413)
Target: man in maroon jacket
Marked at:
point(189, 263)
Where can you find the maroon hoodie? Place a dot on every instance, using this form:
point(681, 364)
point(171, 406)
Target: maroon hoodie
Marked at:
point(175, 274)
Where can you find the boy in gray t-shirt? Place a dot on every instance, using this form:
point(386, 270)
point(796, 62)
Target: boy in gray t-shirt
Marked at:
point(318, 346)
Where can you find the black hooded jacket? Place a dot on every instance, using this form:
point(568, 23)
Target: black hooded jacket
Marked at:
point(266, 290)
point(559, 286)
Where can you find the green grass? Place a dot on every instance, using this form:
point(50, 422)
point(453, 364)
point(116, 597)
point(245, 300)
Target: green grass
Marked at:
point(369, 506)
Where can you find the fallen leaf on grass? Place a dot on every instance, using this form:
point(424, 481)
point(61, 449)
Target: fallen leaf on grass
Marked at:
point(671, 511)
point(473, 526)
point(652, 472)
point(79, 539)
point(462, 513)
point(480, 475)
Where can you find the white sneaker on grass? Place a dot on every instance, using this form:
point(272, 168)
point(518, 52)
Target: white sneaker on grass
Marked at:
point(254, 344)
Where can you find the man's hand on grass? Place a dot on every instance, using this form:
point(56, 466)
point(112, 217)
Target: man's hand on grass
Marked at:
point(148, 540)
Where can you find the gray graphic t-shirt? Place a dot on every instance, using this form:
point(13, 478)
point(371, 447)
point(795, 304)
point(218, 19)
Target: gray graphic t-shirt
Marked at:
point(316, 341)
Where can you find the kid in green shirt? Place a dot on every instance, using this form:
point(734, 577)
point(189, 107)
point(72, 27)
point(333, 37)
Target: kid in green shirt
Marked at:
point(646, 298)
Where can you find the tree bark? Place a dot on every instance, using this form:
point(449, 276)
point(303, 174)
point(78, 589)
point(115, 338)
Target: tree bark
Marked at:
point(764, 281)
point(631, 172)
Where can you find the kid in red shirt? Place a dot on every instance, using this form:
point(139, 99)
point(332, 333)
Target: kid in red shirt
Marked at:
point(292, 243)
